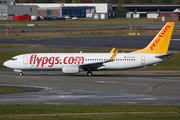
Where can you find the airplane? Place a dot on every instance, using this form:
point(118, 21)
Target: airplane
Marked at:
point(74, 63)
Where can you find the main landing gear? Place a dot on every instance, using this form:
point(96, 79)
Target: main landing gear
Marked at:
point(21, 73)
point(89, 73)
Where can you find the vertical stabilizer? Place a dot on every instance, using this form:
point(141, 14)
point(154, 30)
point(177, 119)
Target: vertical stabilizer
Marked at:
point(160, 44)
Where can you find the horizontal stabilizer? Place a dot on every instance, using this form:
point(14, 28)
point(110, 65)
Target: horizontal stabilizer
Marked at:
point(168, 54)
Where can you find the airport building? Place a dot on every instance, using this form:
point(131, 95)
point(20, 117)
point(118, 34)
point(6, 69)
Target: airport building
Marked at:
point(167, 12)
point(8, 9)
point(80, 10)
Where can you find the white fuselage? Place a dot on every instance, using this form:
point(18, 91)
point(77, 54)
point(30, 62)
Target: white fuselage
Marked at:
point(55, 61)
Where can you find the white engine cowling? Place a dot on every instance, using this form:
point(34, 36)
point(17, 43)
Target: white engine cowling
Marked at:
point(70, 69)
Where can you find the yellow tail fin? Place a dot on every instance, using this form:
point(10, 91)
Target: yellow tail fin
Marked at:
point(160, 44)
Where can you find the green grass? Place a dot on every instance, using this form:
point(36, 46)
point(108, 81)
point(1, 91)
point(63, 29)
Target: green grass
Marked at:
point(119, 22)
point(154, 116)
point(73, 35)
point(58, 26)
point(105, 112)
point(12, 90)
point(61, 109)
point(4, 45)
point(169, 64)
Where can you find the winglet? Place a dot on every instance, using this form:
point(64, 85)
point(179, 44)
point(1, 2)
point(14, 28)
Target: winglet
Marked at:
point(112, 51)
point(113, 57)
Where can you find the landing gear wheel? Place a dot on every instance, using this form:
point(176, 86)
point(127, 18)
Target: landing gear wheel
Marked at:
point(21, 74)
point(89, 73)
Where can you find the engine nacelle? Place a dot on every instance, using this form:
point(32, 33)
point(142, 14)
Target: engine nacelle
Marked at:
point(70, 69)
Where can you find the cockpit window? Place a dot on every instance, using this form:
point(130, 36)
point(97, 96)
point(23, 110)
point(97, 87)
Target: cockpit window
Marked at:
point(13, 59)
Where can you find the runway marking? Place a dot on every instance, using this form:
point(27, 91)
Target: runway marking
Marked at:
point(100, 81)
point(144, 78)
point(145, 85)
point(147, 98)
point(119, 83)
point(60, 96)
point(151, 88)
point(130, 102)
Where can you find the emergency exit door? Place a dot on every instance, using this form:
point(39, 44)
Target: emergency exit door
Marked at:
point(25, 59)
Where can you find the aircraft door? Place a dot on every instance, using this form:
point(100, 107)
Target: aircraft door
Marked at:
point(25, 59)
point(142, 59)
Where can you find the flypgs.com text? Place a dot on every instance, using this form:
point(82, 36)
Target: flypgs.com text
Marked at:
point(41, 61)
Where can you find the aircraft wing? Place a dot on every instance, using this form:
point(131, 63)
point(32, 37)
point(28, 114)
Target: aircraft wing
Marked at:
point(98, 64)
point(165, 55)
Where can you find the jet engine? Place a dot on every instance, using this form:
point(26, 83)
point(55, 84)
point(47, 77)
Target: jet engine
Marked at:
point(70, 69)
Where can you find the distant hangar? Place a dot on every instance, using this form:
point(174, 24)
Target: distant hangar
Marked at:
point(9, 9)
point(160, 12)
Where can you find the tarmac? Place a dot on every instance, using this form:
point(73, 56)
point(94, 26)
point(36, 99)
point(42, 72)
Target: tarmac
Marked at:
point(102, 89)
point(132, 42)
point(59, 89)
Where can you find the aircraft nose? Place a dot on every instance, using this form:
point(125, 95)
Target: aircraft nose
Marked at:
point(6, 63)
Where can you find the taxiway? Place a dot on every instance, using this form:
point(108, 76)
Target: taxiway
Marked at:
point(137, 42)
point(59, 89)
